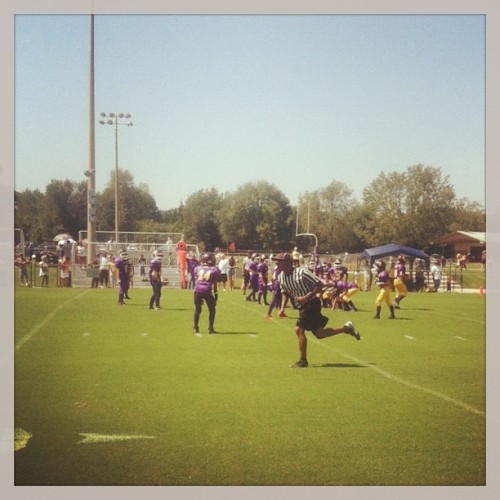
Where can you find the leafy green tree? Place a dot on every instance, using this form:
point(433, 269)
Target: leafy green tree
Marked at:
point(469, 216)
point(172, 217)
point(327, 213)
point(64, 207)
point(199, 218)
point(135, 204)
point(256, 216)
point(28, 214)
point(411, 208)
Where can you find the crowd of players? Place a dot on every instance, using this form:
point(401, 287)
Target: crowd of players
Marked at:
point(260, 280)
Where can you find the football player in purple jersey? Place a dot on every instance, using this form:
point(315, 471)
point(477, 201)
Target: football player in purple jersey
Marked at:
point(338, 271)
point(346, 290)
point(263, 269)
point(207, 275)
point(155, 279)
point(276, 300)
point(400, 281)
point(253, 265)
point(121, 264)
point(192, 264)
point(384, 283)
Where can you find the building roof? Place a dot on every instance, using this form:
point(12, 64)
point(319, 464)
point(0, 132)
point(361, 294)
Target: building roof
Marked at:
point(462, 237)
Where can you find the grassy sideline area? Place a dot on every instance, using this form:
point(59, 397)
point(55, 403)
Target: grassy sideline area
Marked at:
point(108, 395)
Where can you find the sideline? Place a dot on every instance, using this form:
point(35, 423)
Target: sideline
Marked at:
point(47, 318)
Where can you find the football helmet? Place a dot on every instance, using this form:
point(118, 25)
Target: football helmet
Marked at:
point(208, 259)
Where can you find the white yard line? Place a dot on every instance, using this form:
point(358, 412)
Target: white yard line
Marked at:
point(407, 383)
point(45, 320)
point(380, 371)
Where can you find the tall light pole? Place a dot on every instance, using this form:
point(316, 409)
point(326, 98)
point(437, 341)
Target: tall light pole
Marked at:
point(90, 173)
point(113, 120)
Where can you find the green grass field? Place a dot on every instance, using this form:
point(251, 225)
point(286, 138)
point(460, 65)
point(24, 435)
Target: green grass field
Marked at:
point(108, 395)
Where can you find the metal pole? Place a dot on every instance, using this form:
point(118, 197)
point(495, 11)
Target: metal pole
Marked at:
point(308, 213)
point(91, 216)
point(116, 179)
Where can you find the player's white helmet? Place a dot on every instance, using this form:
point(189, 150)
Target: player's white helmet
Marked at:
point(124, 255)
point(158, 255)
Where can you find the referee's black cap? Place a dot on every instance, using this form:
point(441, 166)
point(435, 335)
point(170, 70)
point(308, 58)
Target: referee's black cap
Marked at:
point(282, 256)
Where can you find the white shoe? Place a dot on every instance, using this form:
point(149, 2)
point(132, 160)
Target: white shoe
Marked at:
point(352, 331)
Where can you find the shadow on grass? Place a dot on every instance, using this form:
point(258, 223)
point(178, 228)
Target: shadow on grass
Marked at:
point(236, 333)
point(339, 365)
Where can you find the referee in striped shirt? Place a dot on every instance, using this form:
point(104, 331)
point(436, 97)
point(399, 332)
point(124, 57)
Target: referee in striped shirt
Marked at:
point(303, 286)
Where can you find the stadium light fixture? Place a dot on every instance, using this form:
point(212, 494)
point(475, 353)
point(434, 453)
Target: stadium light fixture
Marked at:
point(113, 120)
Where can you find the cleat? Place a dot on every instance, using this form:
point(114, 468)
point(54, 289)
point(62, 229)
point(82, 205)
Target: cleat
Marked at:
point(211, 330)
point(301, 363)
point(196, 329)
point(349, 326)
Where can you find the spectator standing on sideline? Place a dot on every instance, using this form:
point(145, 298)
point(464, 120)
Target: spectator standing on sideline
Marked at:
point(113, 272)
point(103, 270)
point(383, 281)
point(436, 274)
point(170, 251)
point(94, 273)
point(223, 266)
point(131, 272)
point(81, 254)
point(65, 271)
point(245, 272)
point(367, 276)
point(22, 263)
point(231, 272)
point(304, 287)
point(142, 268)
point(44, 271)
point(483, 260)
point(296, 257)
point(207, 277)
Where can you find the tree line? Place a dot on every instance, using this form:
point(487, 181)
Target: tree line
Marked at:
point(411, 208)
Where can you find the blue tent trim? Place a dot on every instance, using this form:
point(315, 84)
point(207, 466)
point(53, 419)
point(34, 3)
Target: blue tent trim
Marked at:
point(393, 249)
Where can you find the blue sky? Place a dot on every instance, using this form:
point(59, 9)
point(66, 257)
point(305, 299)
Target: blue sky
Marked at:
point(298, 100)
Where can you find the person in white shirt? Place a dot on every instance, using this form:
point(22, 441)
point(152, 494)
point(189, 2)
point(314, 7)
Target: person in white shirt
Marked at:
point(436, 274)
point(223, 266)
point(104, 270)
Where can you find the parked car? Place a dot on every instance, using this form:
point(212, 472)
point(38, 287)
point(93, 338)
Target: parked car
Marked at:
point(50, 249)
